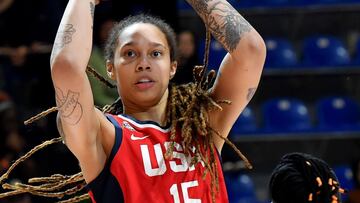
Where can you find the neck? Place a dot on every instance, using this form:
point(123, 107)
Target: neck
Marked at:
point(156, 113)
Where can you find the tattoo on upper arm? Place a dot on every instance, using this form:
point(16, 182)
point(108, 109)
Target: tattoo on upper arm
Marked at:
point(63, 37)
point(70, 109)
point(251, 92)
point(224, 22)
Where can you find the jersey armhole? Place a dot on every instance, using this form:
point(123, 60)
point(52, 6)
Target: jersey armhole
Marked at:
point(117, 143)
point(118, 137)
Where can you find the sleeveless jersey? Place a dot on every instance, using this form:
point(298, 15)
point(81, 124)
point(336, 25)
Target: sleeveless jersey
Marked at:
point(137, 170)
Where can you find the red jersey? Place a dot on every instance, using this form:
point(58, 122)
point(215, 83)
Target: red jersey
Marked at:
point(137, 170)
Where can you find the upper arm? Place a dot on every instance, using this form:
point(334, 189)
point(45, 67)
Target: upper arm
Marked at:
point(82, 125)
point(78, 121)
point(241, 68)
point(237, 81)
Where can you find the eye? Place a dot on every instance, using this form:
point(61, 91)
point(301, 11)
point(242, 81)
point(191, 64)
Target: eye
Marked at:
point(156, 53)
point(129, 53)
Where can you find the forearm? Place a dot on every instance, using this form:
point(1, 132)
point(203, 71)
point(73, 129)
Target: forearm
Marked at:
point(73, 40)
point(223, 21)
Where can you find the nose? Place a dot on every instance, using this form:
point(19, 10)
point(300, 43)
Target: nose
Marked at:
point(143, 65)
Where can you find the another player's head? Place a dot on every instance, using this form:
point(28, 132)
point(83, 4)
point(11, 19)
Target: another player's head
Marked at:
point(186, 44)
point(140, 55)
point(300, 178)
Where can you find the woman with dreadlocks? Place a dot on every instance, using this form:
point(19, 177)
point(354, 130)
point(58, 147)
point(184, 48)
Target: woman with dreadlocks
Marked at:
point(157, 142)
point(300, 178)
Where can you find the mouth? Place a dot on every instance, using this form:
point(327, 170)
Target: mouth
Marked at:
point(144, 83)
point(144, 80)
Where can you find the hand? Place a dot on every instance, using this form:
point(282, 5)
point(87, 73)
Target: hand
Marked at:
point(97, 2)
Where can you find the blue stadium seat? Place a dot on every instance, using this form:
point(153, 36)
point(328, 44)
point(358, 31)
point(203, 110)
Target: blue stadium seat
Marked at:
point(238, 4)
point(324, 2)
point(285, 115)
point(353, 1)
point(277, 3)
point(303, 2)
point(324, 50)
point(216, 54)
point(241, 189)
point(338, 113)
point(246, 123)
point(345, 176)
point(330, 1)
point(280, 53)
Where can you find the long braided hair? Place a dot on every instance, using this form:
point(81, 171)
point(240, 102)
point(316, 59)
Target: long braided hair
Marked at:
point(187, 113)
point(300, 178)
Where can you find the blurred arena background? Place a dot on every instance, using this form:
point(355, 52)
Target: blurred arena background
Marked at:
point(308, 99)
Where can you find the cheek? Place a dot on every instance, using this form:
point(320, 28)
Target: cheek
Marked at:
point(122, 77)
point(165, 71)
point(166, 80)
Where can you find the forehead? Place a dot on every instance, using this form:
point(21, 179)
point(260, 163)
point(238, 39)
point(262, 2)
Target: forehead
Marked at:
point(144, 32)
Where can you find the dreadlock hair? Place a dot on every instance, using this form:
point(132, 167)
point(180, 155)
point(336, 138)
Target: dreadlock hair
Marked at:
point(187, 113)
point(300, 178)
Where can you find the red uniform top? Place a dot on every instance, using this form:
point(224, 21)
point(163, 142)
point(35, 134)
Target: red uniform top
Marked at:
point(137, 171)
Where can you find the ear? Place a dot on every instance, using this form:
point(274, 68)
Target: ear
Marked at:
point(173, 68)
point(110, 70)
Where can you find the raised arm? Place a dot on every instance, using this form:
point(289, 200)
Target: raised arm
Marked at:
point(241, 68)
point(78, 121)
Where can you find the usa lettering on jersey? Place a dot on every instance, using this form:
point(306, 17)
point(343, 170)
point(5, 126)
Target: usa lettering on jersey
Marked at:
point(159, 158)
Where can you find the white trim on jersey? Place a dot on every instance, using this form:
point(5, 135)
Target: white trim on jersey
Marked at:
point(146, 125)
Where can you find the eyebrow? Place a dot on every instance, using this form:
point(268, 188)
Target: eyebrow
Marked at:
point(153, 44)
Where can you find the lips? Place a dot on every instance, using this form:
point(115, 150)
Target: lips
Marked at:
point(144, 80)
point(144, 83)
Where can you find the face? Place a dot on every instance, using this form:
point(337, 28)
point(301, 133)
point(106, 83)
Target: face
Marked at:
point(142, 66)
point(186, 44)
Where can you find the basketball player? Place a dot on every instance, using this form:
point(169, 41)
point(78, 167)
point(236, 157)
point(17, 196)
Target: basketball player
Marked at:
point(158, 143)
point(300, 178)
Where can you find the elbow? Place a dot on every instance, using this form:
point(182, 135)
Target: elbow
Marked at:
point(61, 59)
point(58, 63)
point(251, 44)
point(64, 65)
point(256, 45)
point(260, 51)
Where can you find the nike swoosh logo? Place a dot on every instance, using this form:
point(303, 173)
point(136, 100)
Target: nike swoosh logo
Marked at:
point(133, 137)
